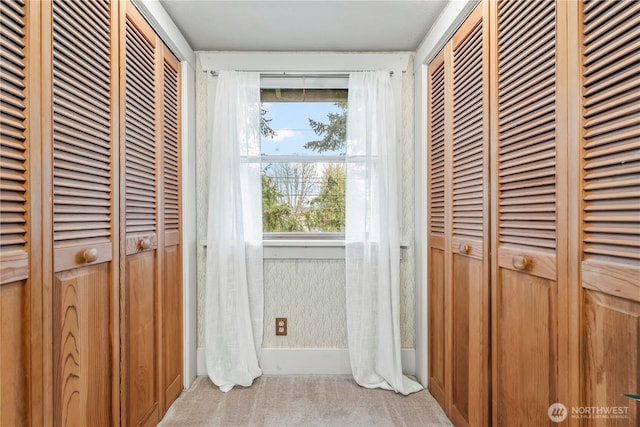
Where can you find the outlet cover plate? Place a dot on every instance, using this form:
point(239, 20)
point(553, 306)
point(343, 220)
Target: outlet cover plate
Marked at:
point(281, 326)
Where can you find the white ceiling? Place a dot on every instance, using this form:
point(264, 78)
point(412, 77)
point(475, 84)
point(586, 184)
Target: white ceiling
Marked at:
point(304, 25)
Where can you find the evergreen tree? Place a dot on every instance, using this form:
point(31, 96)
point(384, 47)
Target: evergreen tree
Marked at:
point(327, 212)
point(276, 214)
point(334, 133)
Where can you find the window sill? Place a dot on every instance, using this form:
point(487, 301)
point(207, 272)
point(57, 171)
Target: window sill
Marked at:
point(308, 249)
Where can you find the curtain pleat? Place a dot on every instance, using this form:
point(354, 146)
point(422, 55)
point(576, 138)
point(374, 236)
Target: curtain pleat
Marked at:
point(372, 236)
point(234, 293)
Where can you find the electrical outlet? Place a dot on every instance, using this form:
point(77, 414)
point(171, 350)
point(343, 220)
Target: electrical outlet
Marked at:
point(281, 326)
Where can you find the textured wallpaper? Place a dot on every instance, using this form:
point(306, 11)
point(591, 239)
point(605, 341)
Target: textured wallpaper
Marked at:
point(311, 293)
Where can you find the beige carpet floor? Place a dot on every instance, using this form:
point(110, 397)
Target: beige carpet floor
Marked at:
point(282, 401)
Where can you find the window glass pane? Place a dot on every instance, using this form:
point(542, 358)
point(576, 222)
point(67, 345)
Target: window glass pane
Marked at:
point(303, 144)
point(303, 196)
point(303, 128)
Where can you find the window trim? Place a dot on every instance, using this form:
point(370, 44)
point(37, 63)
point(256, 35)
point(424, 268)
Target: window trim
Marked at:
point(311, 249)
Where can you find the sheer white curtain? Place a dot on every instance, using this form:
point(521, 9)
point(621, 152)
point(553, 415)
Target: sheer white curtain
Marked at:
point(372, 236)
point(234, 295)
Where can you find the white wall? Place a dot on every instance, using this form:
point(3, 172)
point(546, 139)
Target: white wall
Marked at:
point(311, 292)
point(445, 26)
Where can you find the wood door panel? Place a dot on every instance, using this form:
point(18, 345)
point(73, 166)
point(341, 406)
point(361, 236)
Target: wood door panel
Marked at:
point(13, 354)
point(611, 349)
point(460, 331)
point(470, 342)
point(437, 325)
point(82, 346)
point(525, 361)
point(140, 350)
point(14, 144)
point(140, 188)
point(171, 222)
point(15, 221)
point(172, 322)
point(527, 165)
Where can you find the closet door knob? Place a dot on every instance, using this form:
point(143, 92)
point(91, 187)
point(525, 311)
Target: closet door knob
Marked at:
point(144, 244)
point(90, 255)
point(464, 248)
point(520, 262)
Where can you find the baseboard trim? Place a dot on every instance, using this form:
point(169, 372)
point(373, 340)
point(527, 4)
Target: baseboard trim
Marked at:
point(310, 361)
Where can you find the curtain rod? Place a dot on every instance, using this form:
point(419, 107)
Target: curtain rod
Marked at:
point(302, 75)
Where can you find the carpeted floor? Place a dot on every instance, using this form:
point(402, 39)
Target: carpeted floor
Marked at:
point(281, 401)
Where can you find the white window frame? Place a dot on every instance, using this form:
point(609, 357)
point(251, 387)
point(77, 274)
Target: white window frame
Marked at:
point(306, 244)
point(301, 63)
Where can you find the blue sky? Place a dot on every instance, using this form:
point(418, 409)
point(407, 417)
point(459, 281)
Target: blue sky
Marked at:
point(290, 121)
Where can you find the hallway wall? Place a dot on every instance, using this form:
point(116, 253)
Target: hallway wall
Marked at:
point(311, 293)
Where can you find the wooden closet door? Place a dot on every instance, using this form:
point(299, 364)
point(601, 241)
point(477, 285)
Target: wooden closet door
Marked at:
point(437, 290)
point(171, 201)
point(84, 102)
point(469, 245)
point(525, 183)
point(15, 210)
point(611, 209)
point(141, 210)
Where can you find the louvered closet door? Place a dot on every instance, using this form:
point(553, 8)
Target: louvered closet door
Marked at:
point(14, 212)
point(436, 228)
point(524, 294)
point(84, 75)
point(141, 350)
point(611, 207)
point(172, 269)
point(469, 242)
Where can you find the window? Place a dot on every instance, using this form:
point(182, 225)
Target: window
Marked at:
point(303, 146)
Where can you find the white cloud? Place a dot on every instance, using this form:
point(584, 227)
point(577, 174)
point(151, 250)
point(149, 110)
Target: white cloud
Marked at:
point(282, 134)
